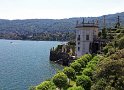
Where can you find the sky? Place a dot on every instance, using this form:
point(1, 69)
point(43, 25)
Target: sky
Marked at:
point(58, 9)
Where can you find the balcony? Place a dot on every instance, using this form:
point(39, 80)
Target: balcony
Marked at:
point(86, 25)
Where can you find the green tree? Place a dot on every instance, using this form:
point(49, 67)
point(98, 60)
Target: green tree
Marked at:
point(88, 56)
point(84, 59)
point(60, 80)
point(76, 66)
point(118, 31)
point(82, 62)
point(100, 85)
point(46, 85)
point(122, 31)
point(99, 34)
point(112, 72)
point(104, 33)
point(118, 55)
point(84, 81)
point(111, 51)
point(121, 43)
point(92, 65)
point(106, 49)
point(88, 72)
point(70, 72)
point(76, 88)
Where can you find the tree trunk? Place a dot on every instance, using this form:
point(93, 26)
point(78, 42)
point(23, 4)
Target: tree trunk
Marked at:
point(68, 80)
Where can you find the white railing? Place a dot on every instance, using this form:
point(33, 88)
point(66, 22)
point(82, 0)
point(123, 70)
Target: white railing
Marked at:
point(86, 24)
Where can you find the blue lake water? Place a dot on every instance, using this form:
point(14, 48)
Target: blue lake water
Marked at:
point(25, 63)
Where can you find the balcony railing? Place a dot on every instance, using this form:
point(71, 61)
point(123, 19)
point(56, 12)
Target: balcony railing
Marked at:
point(86, 25)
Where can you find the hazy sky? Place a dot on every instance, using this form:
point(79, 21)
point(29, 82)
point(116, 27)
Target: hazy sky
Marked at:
point(58, 9)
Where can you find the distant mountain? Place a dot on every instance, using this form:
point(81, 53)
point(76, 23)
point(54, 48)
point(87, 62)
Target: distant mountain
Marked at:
point(47, 28)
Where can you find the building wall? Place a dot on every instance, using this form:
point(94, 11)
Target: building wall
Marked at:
point(82, 45)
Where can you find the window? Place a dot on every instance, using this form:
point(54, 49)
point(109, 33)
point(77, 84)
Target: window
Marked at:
point(78, 37)
point(78, 48)
point(78, 43)
point(87, 37)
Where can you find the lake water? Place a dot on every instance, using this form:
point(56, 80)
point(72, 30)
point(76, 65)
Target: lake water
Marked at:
point(25, 63)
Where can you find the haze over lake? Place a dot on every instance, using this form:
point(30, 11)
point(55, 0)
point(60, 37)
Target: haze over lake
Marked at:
point(25, 63)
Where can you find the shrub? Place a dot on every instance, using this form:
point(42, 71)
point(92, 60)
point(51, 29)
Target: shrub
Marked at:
point(112, 72)
point(118, 31)
point(60, 80)
point(44, 86)
point(121, 43)
point(118, 55)
point(76, 66)
point(84, 81)
point(88, 72)
point(110, 44)
point(96, 58)
point(91, 65)
point(122, 31)
point(100, 85)
point(111, 67)
point(104, 33)
point(109, 88)
point(88, 56)
point(110, 36)
point(111, 51)
point(106, 49)
point(76, 88)
point(70, 72)
point(84, 59)
point(120, 35)
point(99, 34)
point(92, 62)
point(114, 57)
point(82, 62)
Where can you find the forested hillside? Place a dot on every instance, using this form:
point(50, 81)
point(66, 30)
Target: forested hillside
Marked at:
point(49, 29)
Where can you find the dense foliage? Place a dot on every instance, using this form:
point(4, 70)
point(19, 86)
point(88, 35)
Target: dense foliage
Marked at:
point(109, 72)
point(84, 81)
point(70, 72)
point(76, 88)
point(46, 85)
point(76, 66)
point(60, 80)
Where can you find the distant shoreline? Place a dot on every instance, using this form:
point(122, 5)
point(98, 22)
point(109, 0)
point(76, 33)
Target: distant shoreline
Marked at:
point(32, 40)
